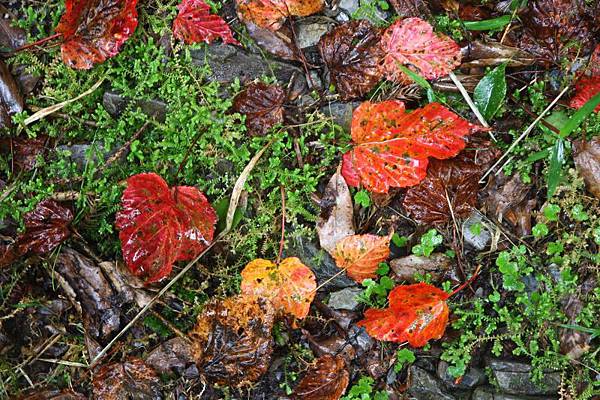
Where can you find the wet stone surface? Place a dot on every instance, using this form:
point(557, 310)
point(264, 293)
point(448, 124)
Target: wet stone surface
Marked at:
point(344, 299)
point(514, 378)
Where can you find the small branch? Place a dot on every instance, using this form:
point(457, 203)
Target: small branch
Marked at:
point(36, 43)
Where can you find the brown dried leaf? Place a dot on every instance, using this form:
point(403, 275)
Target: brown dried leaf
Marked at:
point(24, 152)
point(10, 36)
point(174, 355)
point(279, 43)
point(411, 8)
point(327, 379)
point(53, 394)
point(587, 161)
point(262, 105)
point(336, 220)
point(352, 53)
point(131, 379)
point(453, 182)
point(509, 199)
point(232, 340)
point(46, 227)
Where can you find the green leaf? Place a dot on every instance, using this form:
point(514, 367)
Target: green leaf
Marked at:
point(540, 230)
point(580, 116)
point(221, 206)
point(490, 92)
point(362, 198)
point(551, 212)
point(557, 159)
point(418, 79)
point(488, 24)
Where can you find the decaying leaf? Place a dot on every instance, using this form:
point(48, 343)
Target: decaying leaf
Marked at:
point(392, 146)
point(510, 199)
point(232, 340)
point(554, 29)
point(587, 161)
point(588, 86)
point(417, 313)
point(262, 105)
point(11, 36)
point(131, 379)
point(336, 220)
point(413, 43)
point(327, 379)
point(11, 99)
point(271, 14)
point(411, 8)
point(407, 268)
point(160, 225)
point(53, 394)
point(290, 286)
point(172, 356)
point(46, 227)
point(360, 255)
point(352, 53)
point(194, 24)
point(280, 43)
point(94, 30)
point(24, 152)
point(450, 187)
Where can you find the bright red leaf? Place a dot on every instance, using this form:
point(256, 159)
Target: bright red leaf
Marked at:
point(270, 14)
point(94, 30)
point(360, 255)
point(195, 24)
point(392, 146)
point(587, 87)
point(159, 226)
point(412, 42)
point(416, 314)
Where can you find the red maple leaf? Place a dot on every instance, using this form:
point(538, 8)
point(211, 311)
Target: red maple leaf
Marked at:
point(392, 146)
point(417, 313)
point(413, 43)
point(587, 87)
point(159, 226)
point(195, 24)
point(94, 30)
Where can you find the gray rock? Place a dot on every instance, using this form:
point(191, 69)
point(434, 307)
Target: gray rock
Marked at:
point(425, 386)
point(488, 393)
point(515, 378)
point(81, 154)
point(348, 6)
point(472, 377)
point(341, 113)
point(344, 299)
point(115, 104)
point(309, 30)
point(477, 241)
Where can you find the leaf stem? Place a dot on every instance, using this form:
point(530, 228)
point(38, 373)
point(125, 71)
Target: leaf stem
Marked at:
point(36, 43)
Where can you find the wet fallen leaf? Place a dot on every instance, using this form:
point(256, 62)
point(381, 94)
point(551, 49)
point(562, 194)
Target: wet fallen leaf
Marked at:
point(336, 220)
point(407, 268)
point(588, 86)
point(11, 36)
point(46, 227)
point(11, 99)
point(280, 43)
point(94, 30)
point(160, 225)
point(327, 379)
point(131, 379)
point(360, 255)
point(53, 394)
point(413, 43)
point(232, 340)
point(416, 313)
point(172, 356)
point(392, 146)
point(195, 23)
point(486, 54)
point(450, 187)
point(290, 286)
point(262, 105)
point(24, 152)
point(271, 14)
point(352, 53)
point(411, 8)
point(587, 161)
point(508, 198)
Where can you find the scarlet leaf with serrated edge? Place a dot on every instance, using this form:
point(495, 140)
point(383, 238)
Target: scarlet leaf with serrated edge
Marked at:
point(587, 87)
point(195, 24)
point(291, 285)
point(94, 30)
point(327, 379)
point(416, 313)
point(270, 14)
point(392, 146)
point(360, 255)
point(413, 43)
point(159, 226)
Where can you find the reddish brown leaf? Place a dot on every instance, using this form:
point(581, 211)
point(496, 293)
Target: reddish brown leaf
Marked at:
point(46, 227)
point(24, 152)
point(417, 313)
point(232, 340)
point(11, 98)
point(94, 30)
point(132, 379)
point(411, 8)
point(159, 226)
point(392, 147)
point(195, 24)
point(360, 255)
point(271, 14)
point(290, 286)
point(587, 161)
point(352, 53)
point(413, 43)
point(53, 394)
point(452, 181)
point(262, 105)
point(327, 379)
point(280, 43)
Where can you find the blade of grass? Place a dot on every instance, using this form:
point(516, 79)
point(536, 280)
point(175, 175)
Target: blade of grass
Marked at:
point(488, 24)
point(579, 116)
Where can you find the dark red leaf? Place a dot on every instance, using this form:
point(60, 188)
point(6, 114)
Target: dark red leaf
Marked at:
point(326, 379)
point(262, 105)
point(94, 30)
point(352, 53)
point(132, 379)
point(46, 227)
point(195, 24)
point(24, 152)
point(159, 226)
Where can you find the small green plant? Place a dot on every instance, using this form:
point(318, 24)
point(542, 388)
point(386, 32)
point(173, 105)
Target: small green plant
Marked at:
point(363, 390)
point(376, 292)
point(429, 241)
point(362, 198)
point(403, 357)
point(369, 10)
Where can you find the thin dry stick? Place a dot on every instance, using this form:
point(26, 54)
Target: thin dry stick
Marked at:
point(37, 43)
point(235, 197)
point(170, 326)
point(525, 133)
point(467, 98)
point(282, 241)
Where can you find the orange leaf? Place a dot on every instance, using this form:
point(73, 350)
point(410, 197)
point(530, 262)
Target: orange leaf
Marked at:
point(360, 255)
point(417, 313)
point(291, 285)
point(270, 14)
point(392, 146)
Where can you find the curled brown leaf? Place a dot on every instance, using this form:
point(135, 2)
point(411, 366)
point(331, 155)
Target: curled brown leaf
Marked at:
point(262, 105)
point(327, 379)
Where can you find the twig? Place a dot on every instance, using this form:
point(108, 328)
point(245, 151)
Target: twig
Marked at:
point(186, 156)
point(171, 326)
point(282, 241)
point(468, 282)
point(119, 153)
point(467, 98)
point(36, 43)
point(91, 124)
point(524, 134)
